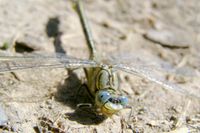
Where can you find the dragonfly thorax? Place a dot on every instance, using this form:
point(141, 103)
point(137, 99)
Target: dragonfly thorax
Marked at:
point(104, 87)
point(101, 78)
point(106, 78)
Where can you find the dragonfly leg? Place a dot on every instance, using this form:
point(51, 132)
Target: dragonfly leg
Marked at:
point(78, 91)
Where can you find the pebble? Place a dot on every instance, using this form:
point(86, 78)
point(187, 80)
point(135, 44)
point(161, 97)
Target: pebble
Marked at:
point(170, 37)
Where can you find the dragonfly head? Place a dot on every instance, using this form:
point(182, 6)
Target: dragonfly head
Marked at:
point(109, 104)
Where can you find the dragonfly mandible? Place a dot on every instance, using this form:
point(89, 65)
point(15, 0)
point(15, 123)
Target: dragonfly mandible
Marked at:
point(102, 79)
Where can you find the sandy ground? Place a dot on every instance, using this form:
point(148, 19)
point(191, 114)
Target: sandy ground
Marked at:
point(159, 32)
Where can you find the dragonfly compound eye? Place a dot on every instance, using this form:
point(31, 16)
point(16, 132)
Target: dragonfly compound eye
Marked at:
point(123, 100)
point(109, 104)
point(103, 96)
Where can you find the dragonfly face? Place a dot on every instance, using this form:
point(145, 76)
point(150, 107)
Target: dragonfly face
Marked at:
point(104, 87)
point(109, 104)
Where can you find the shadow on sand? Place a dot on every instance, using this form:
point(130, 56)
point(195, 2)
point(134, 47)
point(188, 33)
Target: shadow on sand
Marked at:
point(72, 92)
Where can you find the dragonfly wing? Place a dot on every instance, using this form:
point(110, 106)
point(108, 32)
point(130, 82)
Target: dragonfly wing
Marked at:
point(151, 62)
point(58, 60)
point(145, 72)
point(139, 59)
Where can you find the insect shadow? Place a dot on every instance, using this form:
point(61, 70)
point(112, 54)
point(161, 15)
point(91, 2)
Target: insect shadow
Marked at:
point(53, 31)
point(71, 93)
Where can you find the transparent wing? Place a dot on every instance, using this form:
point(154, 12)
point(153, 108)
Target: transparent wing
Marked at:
point(145, 72)
point(139, 59)
point(150, 62)
point(145, 67)
point(57, 60)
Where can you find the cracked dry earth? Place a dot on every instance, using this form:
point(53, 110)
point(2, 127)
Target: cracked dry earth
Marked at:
point(159, 32)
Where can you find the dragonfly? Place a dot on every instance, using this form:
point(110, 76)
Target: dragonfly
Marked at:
point(102, 79)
